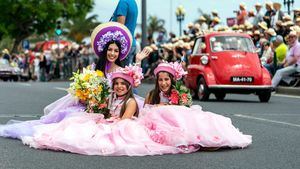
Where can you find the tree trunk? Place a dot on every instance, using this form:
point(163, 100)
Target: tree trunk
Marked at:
point(17, 42)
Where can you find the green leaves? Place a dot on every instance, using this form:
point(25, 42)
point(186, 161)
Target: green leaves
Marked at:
point(21, 18)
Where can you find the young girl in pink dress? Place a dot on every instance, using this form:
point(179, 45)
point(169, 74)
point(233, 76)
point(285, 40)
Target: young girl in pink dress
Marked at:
point(195, 128)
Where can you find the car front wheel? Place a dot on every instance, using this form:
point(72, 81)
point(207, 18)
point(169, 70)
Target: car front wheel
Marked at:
point(264, 96)
point(202, 92)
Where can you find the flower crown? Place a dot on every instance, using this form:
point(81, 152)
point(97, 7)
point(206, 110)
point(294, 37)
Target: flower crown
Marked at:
point(115, 36)
point(132, 74)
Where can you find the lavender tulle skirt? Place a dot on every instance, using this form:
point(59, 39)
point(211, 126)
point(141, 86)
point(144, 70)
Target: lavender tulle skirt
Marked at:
point(63, 108)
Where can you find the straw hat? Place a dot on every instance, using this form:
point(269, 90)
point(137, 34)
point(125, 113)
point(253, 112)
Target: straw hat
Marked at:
point(250, 33)
point(295, 28)
point(277, 5)
point(297, 10)
point(279, 23)
point(216, 19)
point(271, 32)
point(243, 5)
point(287, 17)
point(258, 4)
point(187, 46)
point(263, 25)
point(289, 23)
point(270, 4)
point(235, 27)
point(202, 18)
point(256, 32)
point(190, 25)
point(214, 12)
point(248, 25)
point(197, 26)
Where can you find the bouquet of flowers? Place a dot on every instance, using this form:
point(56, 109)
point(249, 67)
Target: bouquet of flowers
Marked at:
point(92, 89)
point(181, 95)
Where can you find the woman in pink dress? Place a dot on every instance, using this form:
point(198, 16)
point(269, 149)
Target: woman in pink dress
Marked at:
point(111, 42)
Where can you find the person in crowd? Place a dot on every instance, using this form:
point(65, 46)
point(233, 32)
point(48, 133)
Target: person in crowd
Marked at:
point(278, 14)
point(256, 39)
point(259, 15)
point(291, 63)
point(203, 23)
point(215, 13)
point(6, 55)
point(251, 17)
point(241, 14)
point(215, 24)
point(280, 51)
point(126, 13)
point(267, 56)
point(269, 13)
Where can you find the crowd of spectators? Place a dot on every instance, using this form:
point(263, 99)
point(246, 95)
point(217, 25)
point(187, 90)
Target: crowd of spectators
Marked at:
point(269, 28)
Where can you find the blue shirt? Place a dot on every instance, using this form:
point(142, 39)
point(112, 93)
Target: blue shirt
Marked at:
point(129, 9)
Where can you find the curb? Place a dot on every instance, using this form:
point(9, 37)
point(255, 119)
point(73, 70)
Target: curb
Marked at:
point(288, 90)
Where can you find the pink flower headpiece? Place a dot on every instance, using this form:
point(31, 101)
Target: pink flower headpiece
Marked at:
point(174, 68)
point(132, 74)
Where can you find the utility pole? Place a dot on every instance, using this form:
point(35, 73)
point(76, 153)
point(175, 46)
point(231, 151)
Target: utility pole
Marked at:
point(144, 23)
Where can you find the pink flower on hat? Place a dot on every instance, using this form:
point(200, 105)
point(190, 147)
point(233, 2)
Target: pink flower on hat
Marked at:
point(174, 68)
point(132, 74)
point(179, 72)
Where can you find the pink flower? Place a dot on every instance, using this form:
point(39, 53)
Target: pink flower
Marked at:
point(103, 105)
point(174, 97)
point(184, 98)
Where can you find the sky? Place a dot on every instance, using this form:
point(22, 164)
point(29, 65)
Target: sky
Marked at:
point(165, 9)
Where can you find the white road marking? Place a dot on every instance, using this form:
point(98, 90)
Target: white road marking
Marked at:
point(25, 84)
point(21, 115)
point(61, 88)
point(289, 96)
point(266, 120)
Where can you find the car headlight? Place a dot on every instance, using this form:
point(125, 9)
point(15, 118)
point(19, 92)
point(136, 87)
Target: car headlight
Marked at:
point(204, 60)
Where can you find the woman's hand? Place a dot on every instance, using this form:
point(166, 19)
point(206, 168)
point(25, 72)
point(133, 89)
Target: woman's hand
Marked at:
point(143, 54)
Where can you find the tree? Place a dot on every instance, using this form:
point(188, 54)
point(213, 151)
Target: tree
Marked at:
point(155, 25)
point(81, 27)
point(21, 18)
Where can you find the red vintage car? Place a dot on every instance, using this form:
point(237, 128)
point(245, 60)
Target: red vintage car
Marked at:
point(224, 63)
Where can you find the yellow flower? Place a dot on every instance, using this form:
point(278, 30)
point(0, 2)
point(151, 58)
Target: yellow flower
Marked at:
point(99, 73)
point(87, 77)
point(100, 88)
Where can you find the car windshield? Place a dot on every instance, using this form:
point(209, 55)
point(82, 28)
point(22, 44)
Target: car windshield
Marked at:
point(231, 43)
point(3, 62)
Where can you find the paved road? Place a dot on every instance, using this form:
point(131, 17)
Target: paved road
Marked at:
point(274, 127)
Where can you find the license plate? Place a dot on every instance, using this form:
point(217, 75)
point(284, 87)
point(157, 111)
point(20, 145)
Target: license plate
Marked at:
point(242, 79)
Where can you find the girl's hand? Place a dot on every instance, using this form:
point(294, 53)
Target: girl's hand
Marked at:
point(143, 54)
